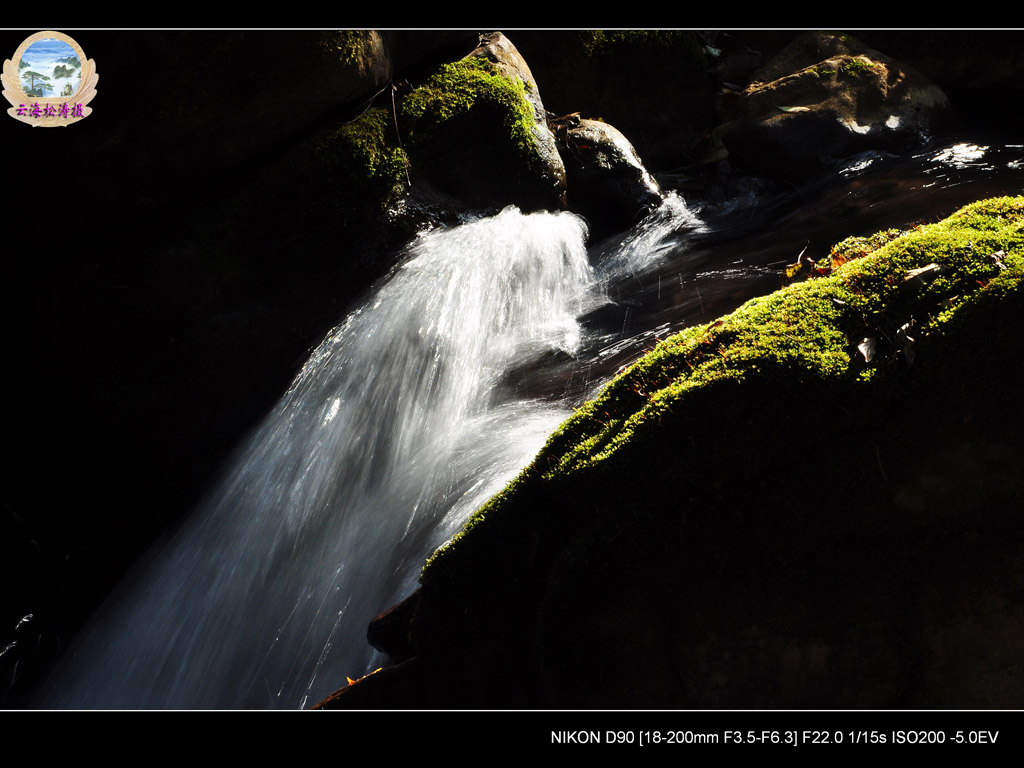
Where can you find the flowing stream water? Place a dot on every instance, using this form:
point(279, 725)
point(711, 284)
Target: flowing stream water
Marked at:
point(424, 402)
point(404, 420)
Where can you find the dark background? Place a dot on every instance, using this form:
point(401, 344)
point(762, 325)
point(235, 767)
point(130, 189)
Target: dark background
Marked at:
point(168, 262)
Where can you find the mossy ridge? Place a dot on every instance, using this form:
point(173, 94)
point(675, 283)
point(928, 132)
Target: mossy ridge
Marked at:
point(811, 328)
point(751, 501)
point(802, 333)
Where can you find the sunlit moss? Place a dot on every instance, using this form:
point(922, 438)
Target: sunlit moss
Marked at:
point(806, 333)
point(366, 162)
point(464, 107)
point(349, 45)
point(464, 87)
point(856, 66)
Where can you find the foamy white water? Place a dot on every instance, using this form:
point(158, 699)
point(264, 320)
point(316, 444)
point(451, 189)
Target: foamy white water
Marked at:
point(397, 428)
point(651, 241)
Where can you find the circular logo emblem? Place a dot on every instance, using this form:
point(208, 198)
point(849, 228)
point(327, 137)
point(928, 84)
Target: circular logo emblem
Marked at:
point(49, 81)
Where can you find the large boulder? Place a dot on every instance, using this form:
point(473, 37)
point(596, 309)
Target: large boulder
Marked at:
point(608, 183)
point(476, 130)
point(982, 71)
point(826, 97)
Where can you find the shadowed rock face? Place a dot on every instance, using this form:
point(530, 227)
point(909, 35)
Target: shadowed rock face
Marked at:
point(826, 97)
point(498, 49)
point(608, 183)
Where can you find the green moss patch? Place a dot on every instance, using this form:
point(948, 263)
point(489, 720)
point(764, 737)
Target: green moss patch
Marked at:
point(856, 66)
point(348, 43)
point(461, 89)
point(366, 165)
point(812, 329)
point(470, 130)
point(370, 141)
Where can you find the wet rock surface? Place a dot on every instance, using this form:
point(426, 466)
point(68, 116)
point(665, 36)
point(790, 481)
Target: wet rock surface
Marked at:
point(608, 183)
point(826, 97)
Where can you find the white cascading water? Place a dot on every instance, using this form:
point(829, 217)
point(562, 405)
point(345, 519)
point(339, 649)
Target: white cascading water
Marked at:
point(396, 429)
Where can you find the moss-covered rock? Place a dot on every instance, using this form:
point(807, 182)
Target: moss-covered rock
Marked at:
point(458, 88)
point(468, 135)
point(499, 50)
point(369, 167)
point(756, 515)
point(982, 71)
point(826, 97)
point(473, 133)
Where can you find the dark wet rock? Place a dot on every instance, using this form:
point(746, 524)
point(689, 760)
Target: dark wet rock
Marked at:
point(608, 183)
point(982, 71)
point(826, 97)
point(389, 632)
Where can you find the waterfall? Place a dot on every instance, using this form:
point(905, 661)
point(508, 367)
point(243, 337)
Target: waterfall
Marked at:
point(404, 420)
